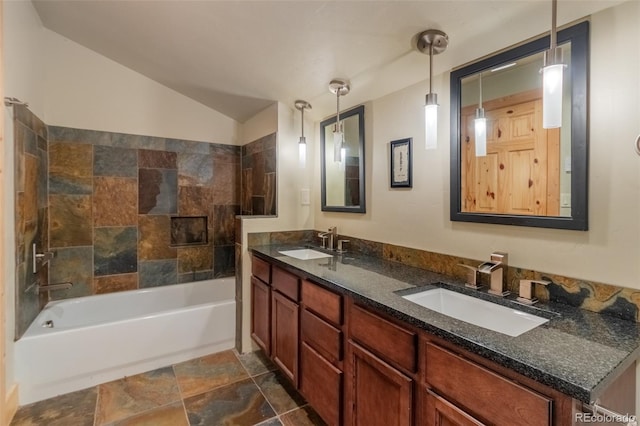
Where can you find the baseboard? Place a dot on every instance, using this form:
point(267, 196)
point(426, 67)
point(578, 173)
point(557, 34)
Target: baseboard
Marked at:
point(11, 404)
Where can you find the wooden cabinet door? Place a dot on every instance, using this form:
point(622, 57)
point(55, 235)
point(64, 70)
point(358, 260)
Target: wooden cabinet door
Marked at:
point(376, 393)
point(284, 335)
point(440, 412)
point(321, 385)
point(261, 314)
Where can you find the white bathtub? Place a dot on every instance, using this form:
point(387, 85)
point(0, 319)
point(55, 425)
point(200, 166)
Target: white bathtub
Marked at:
point(97, 339)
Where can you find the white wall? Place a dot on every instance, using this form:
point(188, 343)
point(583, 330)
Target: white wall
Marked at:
point(87, 90)
point(262, 124)
point(609, 252)
point(291, 178)
point(23, 79)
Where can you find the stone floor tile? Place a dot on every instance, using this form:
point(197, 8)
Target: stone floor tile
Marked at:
point(256, 363)
point(304, 416)
point(71, 409)
point(209, 372)
point(279, 392)
point(239, 403)
point(123, 398)
point(168, 415)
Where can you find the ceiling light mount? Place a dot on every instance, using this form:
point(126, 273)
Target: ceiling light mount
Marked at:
point(432, 38)
point(301, 105)
point(339, 86)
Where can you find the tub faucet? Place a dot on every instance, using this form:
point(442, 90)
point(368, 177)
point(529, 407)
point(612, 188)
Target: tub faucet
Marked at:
point(496, 268)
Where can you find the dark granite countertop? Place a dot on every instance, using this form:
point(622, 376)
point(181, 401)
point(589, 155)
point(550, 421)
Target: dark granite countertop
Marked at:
point(578, 353)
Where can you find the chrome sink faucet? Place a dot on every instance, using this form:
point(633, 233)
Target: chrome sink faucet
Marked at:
point(331, 235)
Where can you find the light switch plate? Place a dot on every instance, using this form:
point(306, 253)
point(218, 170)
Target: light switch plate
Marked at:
point(305, 198)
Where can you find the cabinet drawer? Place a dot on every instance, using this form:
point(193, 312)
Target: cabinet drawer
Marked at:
point(261, 269)
point(483, 393)
point(323, 303)
point(321, 385)
point(286, 283)
point(393, 343)
point(322, 336)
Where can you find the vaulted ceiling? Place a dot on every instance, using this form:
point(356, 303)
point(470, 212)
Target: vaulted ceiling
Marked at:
point(238, 57)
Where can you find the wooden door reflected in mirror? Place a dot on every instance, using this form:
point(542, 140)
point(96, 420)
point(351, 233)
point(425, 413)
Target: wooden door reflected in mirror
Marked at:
point(520, 174)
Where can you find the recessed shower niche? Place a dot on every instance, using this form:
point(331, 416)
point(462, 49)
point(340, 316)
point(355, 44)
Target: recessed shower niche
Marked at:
point(189, 230)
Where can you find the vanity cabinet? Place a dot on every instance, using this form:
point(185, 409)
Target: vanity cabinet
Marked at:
point(261, 314)
point(261, 304)
point(357, 365)
point(275, 315)
point(321, 351)
point(285, 322)
point(476, 392)
point(381, 370)
point(377, 393)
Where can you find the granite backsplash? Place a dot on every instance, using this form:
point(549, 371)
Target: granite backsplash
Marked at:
point(589, 295)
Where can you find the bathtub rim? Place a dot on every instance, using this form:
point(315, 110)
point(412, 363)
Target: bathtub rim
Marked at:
point(36, 330)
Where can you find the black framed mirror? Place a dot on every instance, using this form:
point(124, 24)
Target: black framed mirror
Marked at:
point(342, 167)
point(530, 176)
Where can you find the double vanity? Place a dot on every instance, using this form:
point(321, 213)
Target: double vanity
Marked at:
point(373, 342)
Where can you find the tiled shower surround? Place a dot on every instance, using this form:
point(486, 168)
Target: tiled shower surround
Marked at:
point(30, 141)
point(111, 200)
point(259, 177)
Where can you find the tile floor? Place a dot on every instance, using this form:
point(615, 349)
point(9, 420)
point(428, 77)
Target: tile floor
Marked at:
point(226, 388)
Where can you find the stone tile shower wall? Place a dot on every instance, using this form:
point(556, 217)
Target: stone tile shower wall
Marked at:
point(30, 172)
point(259, 177)
point(112, 197)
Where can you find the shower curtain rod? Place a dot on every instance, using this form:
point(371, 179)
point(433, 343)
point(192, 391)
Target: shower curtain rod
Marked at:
point(14, 101)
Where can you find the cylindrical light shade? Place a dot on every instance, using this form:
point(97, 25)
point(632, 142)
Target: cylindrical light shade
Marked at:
point(337, 144)
point(343, 158)
point(431, 126)
point(481, 136)
point(302, 152)
point(552, 96)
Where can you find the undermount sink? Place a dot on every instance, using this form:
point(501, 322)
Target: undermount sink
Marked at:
point(478, 312)
point(305, 254)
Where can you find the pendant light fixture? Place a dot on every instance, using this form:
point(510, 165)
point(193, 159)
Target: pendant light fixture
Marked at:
point(431, 42)
point(480, 125)
point(302, 144)
point(552, 78)
point(339, 88)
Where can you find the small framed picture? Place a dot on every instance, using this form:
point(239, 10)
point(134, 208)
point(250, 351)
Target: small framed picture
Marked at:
point(401, 163)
